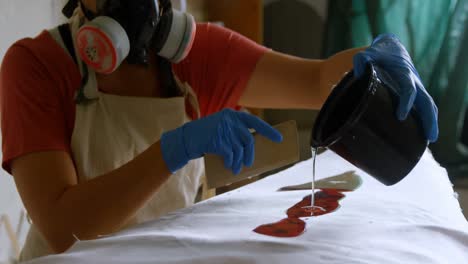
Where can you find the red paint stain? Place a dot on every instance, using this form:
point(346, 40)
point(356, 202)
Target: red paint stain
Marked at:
point(326, 201)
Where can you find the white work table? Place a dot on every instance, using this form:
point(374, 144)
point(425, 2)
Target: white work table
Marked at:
point(418, 220)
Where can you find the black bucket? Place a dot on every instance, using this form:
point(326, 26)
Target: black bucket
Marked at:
point(358, 122)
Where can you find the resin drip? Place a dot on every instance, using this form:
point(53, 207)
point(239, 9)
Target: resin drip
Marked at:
point(312, 207)
point(326, 200)
point(314, 157)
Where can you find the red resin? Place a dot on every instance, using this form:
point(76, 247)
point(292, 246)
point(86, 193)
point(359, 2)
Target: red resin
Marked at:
point(288, 227)
point(326, 201)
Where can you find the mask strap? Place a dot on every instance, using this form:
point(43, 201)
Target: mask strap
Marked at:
point(72, 5)
point(69, 8)
point(168, 82)
point(90, 15)
point(165, 5)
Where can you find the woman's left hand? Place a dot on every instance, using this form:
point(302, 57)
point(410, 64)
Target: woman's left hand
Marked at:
point(225, 134)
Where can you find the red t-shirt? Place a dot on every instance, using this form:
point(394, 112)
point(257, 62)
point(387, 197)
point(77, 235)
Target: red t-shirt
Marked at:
point(38, 80)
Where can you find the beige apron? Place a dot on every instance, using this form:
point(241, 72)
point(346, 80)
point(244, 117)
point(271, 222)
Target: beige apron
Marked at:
point(111, 131)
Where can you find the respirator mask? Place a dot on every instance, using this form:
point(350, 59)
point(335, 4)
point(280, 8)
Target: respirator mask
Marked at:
point(128, 30)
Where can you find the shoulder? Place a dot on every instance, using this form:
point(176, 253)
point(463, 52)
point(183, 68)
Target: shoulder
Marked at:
point(37, 84)
point(38, 60)
point(216, 46)
point(210, 34)
point(207, 27)
point(219, 66)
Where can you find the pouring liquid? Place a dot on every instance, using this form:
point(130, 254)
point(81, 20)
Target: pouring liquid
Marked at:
point(312, 208)
point(314, 156)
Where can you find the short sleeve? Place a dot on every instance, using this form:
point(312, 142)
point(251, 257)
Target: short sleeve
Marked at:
point(32, 114)
point(219, 66)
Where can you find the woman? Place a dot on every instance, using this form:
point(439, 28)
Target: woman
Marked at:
point(92, 153)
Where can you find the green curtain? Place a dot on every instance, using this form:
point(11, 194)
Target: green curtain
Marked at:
point(435, 34)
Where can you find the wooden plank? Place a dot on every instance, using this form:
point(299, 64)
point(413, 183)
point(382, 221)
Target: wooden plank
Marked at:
point(268, 156)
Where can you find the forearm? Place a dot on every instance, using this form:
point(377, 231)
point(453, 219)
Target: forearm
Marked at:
point(105, 204)
point(335, 67)
point(281, 81)
point(286, 82)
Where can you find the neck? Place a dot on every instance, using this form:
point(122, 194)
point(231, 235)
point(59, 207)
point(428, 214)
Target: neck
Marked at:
point(133, 80)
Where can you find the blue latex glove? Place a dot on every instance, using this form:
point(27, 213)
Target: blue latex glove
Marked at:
point(399, 73)
point(225, 134)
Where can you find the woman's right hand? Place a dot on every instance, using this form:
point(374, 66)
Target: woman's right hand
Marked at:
point(225, 133)
point(391, 56)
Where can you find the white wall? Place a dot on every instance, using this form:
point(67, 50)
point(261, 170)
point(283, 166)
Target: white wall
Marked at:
point(19, 19)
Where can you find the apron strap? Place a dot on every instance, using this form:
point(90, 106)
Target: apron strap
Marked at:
point(189, 95)
point(173, 86)
point(62, 35)
point(67, 39)
point(168, 82)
